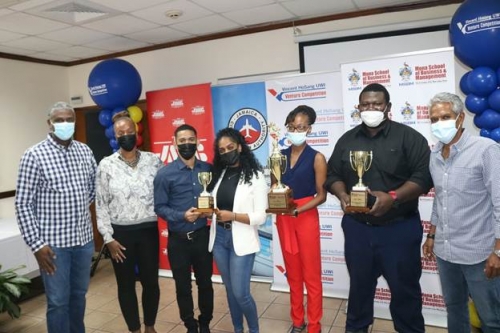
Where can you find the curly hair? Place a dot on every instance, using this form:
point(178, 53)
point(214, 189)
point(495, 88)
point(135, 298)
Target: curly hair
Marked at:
point(248, 163)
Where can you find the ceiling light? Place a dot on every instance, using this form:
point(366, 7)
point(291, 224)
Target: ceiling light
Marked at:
point(174, 14)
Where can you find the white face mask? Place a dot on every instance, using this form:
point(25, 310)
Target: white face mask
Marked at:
point(445, 130)
point(372, 118)
point(296, 138)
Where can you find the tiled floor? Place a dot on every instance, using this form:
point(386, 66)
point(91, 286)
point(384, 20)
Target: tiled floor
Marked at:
point(103, 312)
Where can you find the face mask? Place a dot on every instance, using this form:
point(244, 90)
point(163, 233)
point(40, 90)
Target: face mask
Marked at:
point(296, 138)
point(127, 142)
point(187, 150)
point(372, 118)
point(230, 158)
point(444, 130)
point(64, 131)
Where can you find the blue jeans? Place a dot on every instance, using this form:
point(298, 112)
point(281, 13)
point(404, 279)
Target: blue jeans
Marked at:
point(235, 272)
point(457, 282)
point(66, 289)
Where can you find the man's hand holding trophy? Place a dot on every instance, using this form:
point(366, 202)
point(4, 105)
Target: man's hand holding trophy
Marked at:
point(280, 197)
point(360, 161)
point(205, 200)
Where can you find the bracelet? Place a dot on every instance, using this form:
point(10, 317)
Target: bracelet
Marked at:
point(234, 216)
point(431, 236)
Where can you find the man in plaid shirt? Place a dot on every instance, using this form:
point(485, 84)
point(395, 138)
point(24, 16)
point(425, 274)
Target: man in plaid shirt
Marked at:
point(55, 187)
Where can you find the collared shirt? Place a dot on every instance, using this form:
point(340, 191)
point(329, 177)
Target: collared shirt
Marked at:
point(176, 190)
point(466, 210)
point(400, 154)
point(124, 195)
point(55, 187)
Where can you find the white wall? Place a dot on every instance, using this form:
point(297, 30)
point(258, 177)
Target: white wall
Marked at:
point(27, 90)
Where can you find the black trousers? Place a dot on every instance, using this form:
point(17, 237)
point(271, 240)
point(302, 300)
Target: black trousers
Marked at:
point(142, 249)
point(184, 255)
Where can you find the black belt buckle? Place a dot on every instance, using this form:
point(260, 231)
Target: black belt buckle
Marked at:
point(189, 235)
point(226, 226)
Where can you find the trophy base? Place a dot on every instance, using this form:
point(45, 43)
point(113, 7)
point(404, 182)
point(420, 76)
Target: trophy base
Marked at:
point(359, 201)
point(281, 202)
point(353, 209)
point(205, 210)
point(205, 204)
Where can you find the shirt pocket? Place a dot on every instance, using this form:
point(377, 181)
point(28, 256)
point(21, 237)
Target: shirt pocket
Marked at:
point(466, 180)
point(392, 161)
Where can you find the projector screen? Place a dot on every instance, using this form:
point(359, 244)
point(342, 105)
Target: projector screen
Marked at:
point(328, 54)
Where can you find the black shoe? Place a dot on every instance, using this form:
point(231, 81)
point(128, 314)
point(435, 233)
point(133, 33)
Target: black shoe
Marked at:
point(192, 326)
point(298, 329)
point(204, 329)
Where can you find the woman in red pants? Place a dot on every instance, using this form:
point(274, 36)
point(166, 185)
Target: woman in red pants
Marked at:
point(299, 233)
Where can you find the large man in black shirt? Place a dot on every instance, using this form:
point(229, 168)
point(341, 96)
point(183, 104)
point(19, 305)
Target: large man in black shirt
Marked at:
point(386, 240)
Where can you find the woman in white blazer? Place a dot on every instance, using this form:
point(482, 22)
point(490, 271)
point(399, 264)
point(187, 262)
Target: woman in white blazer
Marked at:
point(240, 195)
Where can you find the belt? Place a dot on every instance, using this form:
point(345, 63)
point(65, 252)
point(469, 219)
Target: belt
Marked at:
point(225, 225)
point(364, 220)
point(186, 235)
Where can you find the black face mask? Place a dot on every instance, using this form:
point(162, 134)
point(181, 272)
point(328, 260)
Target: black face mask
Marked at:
point(230, 158)
point(187, 150)
point(127, 142)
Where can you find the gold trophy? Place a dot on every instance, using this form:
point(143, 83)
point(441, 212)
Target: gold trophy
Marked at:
point(205, 200)
point(280, 197)
point(360, 161)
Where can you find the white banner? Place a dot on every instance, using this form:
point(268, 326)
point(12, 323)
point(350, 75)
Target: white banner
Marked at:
point(412, 80)
point(322, 93)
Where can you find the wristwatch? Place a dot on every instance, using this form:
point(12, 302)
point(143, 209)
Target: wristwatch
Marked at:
point(497, 252)
point(395, 202)
point(295, 213)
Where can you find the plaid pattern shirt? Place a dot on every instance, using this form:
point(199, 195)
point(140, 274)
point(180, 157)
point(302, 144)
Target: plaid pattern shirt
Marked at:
point(55, 187)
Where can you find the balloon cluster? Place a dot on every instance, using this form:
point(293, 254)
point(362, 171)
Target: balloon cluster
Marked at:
point(115, 85)
point(475, 34)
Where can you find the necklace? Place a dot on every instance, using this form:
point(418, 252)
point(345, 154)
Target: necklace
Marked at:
point(232, 174)
point(131, 163)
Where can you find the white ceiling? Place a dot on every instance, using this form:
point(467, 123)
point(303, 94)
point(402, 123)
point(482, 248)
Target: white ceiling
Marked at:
point(71, 30)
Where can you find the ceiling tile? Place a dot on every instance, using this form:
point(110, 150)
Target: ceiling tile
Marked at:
point(307, 8)
point(159, 35)
point(81, 52)
point(122, 24)
point(206, 25)
point(7, 35)
point(363, 4)
point(117, 44)
point(36, 44)
point(75, 35)
point(258, 15)
point(129, 5)
point(29, 24)
point(157, 13)
point(15, 50)
point(52, 56)
point(223, 6)
point(5, 11)
point(29, 4)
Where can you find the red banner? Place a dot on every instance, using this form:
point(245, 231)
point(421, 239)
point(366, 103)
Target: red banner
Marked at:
point(169, 109)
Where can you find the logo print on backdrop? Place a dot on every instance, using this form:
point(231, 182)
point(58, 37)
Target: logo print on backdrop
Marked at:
point(354, 78)
point(197, 110)
point(177, 103)
point(405, 72)
point(355, 115)
point(178, 122)
point(407, 111)
point(158, 114)
point(251, 124)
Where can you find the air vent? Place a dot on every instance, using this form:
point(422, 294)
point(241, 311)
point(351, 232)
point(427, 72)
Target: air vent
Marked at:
point(73, 11)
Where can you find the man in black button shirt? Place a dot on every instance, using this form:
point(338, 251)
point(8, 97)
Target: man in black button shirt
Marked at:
point(386, 240)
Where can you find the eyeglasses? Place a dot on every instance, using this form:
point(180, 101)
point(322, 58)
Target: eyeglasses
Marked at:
point(299, 128)
point(372, 106)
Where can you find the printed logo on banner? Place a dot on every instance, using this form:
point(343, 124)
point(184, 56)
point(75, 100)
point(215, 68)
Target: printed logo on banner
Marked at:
point(332, 256)
point(382, 295)
point(98, 90)
point(176, 122)
point(281, 269)
point(382, 76)
point(300, 92)
point(169, 153)
point(356, 116)
point(327, 276)
point(251, 124)
point(197, 110)
point(164, 233)
point(423, 114)
point(177, 103)
point(318, 138)
point(433, 301)
point(158, 114)
point(428, 266)
point(326, 231)
point(407, 112)
point(354, 80)
point(406, 73)
point(431, 73)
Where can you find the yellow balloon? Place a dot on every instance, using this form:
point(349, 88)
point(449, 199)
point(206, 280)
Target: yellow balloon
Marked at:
point(135, 113)
point(474, 318)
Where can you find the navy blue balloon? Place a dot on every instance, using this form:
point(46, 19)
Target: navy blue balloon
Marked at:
point(482, 81)
point(474, 36)
point(463, 84)
point(114, 144)
point(494, 100)
point(489, 119)
point(484, 133)
point(105, 118)
point(110, 132)
point(476, 104)
point(495, 134)
point(113, 83)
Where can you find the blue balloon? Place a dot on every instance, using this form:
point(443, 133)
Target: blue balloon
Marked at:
point(482, 81)
point(476, 104)
point(463, 84)
point(484, 133)
point(110, 132)
point(489, 119)
point(495, 134)
point(113, 83)
point(475, 33)
point(105, 118)
point(114, 144)
point(494, 100)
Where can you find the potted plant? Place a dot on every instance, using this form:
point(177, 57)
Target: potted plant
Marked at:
point(12, 286)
